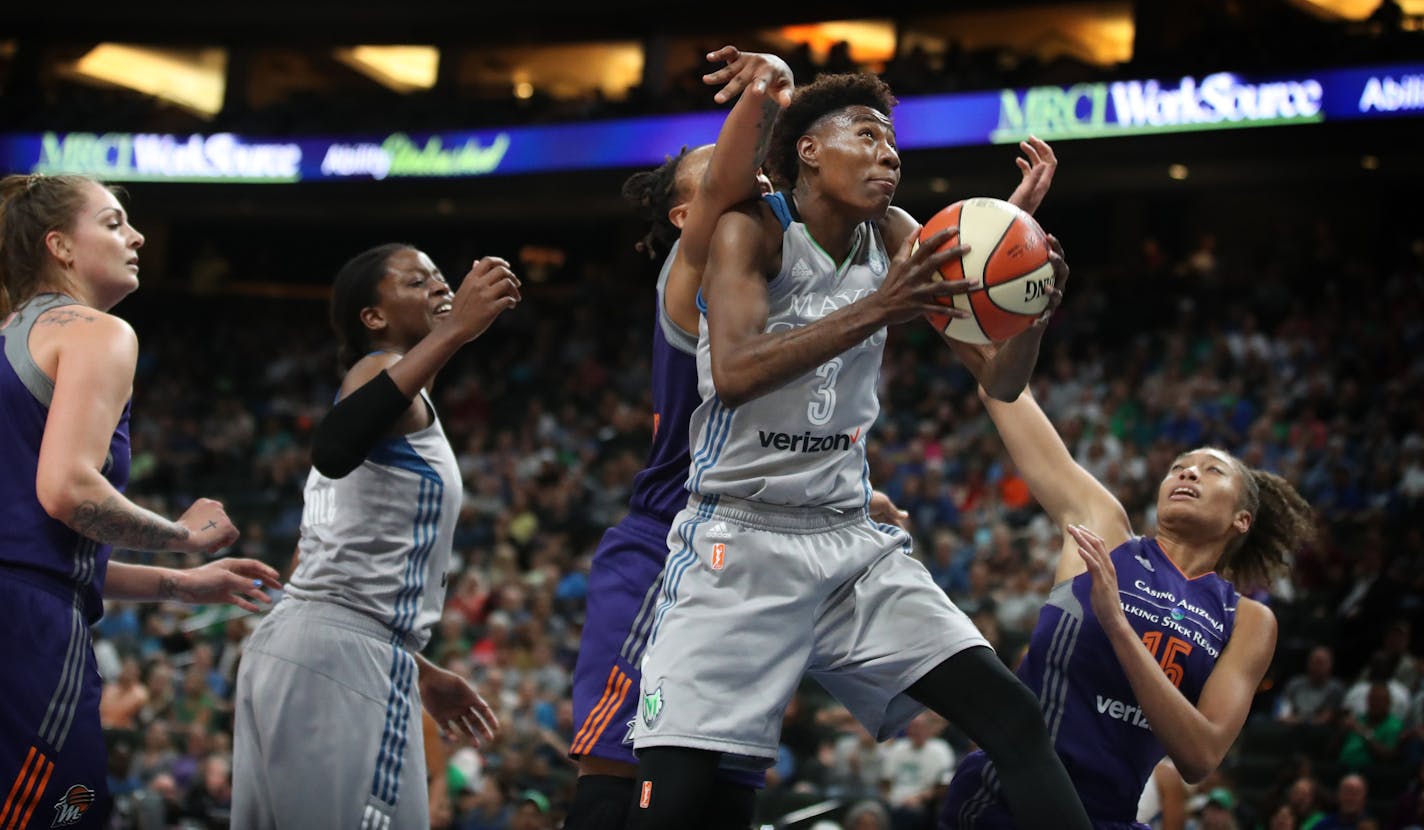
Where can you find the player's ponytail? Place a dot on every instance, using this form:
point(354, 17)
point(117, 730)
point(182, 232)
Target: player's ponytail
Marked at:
point(1281, 522)
point(30, 207)
point(353, 290)
point(653, 193)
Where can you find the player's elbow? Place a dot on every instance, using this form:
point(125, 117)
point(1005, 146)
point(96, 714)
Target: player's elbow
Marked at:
point(734, 386)
point(1196, 765)
point(731, 395)
point(331, 457)
point(59, 491)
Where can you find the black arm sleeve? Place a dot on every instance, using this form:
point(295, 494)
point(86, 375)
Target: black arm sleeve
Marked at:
point(355, 424)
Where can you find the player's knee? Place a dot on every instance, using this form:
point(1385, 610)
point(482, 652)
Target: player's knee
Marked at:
point(674, 784)
point(732, 807)
point(600, 803)
point(1019, 718)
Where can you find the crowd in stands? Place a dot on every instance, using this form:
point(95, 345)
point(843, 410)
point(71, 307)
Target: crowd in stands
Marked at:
point(1304, 359)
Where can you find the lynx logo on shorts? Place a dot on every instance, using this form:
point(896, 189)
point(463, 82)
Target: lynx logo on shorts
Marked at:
point(652, 705)
point(719, 556)
point(72, 806)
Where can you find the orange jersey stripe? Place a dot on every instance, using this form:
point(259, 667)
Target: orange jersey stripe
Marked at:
point(624, 683)
point(580, 738)
point(39, 793)
point(19, 779)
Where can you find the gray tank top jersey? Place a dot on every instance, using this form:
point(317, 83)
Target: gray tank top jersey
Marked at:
point(804, 443)
point(378, 540)
point(683, 341)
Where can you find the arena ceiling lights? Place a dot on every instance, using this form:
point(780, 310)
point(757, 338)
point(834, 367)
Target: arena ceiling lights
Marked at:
point(401, 68)
point(194, 79)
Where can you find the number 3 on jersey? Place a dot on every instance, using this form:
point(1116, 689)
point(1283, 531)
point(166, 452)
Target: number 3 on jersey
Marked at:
point(1168, 657)
point(819, 411)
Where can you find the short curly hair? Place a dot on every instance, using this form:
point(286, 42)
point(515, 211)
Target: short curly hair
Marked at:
point(825, 95)
point(653, 193)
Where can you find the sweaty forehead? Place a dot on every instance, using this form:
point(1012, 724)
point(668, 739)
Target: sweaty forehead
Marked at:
point(410, 259)
point(1203, 456)
point(850, 116)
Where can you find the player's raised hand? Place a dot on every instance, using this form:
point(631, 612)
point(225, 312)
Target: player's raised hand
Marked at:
point(488, 290)
point(209, 528)
point(1106, 603)
point(1038, 168)
point(763, 73)
point(456, 706)
point(235, 581)
point(913, 282)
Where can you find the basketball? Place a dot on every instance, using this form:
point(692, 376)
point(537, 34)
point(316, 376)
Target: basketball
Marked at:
point(1008, 254)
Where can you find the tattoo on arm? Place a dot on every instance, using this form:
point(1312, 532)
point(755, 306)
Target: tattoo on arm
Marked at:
point(769, 110)
point(65, 316)
point(124, 525)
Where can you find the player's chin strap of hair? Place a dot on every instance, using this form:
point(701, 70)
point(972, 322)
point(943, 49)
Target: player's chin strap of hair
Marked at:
point(354, 426)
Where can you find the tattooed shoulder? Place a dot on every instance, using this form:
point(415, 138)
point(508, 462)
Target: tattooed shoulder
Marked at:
point(65, 316)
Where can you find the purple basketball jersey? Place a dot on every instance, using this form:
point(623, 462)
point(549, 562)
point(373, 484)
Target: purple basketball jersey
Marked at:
point(659, 489)
point(52, 754)
point(1096, 724)
point(29, 538)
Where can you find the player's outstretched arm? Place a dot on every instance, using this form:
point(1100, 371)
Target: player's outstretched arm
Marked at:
point(748, 361)
point(762, 85)
point(235, 581)
point(1038, 164)
point(1195, 737)
point(1066, 491)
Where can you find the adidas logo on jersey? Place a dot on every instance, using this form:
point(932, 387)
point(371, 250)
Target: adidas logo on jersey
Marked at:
point(719, 530)
point(801, 269)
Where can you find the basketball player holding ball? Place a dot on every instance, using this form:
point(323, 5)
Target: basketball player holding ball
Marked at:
point(1145, 644)
point(681, 199)
point(776, 568)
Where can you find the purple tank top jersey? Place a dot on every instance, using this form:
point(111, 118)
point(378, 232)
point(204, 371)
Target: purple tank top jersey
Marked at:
point(658, 490)
point(29, 538)
point(1093, 716)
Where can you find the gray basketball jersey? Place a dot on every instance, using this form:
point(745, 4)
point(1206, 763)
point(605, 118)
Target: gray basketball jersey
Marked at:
point(378, 540)
point(804, 443)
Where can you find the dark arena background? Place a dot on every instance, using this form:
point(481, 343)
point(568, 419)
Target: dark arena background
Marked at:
point(1238, 196)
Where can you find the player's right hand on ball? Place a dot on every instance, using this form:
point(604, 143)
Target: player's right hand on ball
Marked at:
point(913, 282)
point(209, 528)
point(488, 290)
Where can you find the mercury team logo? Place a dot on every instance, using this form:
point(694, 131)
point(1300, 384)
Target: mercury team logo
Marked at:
point(72, 806)
point(652, 706)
